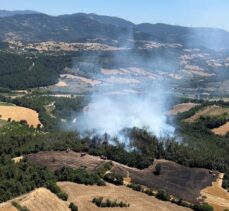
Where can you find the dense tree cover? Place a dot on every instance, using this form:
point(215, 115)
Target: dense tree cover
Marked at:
point(214, 122)
point(114, 178)
point(20, 178)
point(66, 108)
point(27, 71)
point(203, 207)
point(101, 202)
point(80, 176)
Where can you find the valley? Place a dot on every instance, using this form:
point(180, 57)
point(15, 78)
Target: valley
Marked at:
point(99, 113)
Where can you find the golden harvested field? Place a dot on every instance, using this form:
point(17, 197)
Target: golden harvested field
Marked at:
point(181, 108)
point(82, 196)
point(18, 113)
point(216, 195)
point(222, 130)
point(38, 200)
point(213, 110)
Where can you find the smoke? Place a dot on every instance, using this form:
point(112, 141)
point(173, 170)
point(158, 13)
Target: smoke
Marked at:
point(115, 106)
point(113, 113)
point(208, 38)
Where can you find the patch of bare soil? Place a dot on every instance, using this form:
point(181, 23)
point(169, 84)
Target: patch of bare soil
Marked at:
point(178, 180)
point(82, 196)
point(216, 195)
point(222, 130)
point(18, 159)
point(61, 84)
point(181, 108)
point(18, 113)
point(38, 200)
point(56, 160)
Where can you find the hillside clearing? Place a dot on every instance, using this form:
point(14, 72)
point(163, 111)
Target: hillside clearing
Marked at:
point(38, 200)
point(82, 195)
point(181, 108)
point(222, 130)
point(18, 113)
point(216, 195)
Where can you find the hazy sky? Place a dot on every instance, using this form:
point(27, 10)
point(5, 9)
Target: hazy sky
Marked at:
point(213, 13)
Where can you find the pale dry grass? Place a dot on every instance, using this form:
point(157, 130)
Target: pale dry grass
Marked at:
point(222, 130)
point(216, 195)
point(18, 113)
point(82, 196)
point(181, 108)
point(38, 200)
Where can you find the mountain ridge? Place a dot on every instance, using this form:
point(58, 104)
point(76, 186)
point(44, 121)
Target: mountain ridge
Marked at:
point(40, 27)
point(8, 13)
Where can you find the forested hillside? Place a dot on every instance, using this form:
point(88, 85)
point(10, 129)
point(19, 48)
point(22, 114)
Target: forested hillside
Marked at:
point(81, 27)
point(20, 71)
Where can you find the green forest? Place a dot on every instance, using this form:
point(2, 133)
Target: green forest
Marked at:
point(28, 71)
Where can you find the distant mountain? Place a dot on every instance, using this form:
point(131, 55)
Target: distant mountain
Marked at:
point(6, 13)
point(38, 27)
point(212, 38)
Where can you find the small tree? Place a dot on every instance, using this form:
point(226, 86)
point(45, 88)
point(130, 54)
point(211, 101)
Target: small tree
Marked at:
point(163, 195)
point(73, 207)
point(157, 170)
point(203, 207)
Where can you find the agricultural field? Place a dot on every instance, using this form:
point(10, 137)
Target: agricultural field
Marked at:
point(56, 160)
point(82, 196)
point(18, 114)
point(222, 130)
point(216, 195)
point(187, 185)
point(38, 200)
point(181, 108)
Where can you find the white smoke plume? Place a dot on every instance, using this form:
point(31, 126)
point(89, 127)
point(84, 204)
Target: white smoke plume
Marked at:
point(146, 108)
point(111, 114)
